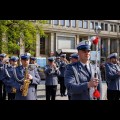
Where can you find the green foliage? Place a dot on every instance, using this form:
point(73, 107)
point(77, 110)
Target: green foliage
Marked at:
point(14, 29)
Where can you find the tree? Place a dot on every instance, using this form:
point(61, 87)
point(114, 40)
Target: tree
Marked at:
point(13, 30)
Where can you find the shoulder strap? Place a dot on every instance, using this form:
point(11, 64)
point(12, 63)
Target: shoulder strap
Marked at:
point(7, 73)
point(76, 74)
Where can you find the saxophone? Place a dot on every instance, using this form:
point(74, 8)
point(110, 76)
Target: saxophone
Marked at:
point(26, 83)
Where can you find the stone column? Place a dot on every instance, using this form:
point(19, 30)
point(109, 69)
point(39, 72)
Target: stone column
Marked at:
point(77, 39)
point(52, 44)
point(47, 44)
point(108, 46)
point(118, 47)
point(38, 45)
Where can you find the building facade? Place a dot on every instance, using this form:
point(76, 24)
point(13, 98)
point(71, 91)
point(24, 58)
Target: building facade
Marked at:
point(64, 35)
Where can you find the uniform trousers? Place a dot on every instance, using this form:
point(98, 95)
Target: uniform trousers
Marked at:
point(62, 86)
point(51, 92)
point(2, 91)
point(11, 96)
point(113, 94)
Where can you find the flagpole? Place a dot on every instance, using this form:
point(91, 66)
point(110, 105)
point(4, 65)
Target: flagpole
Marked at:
point(97, 31)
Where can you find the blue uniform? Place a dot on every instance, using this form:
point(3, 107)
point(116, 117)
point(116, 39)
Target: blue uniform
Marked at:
point(113, 79)
point(8, 75)
point(32, 93)
point(77, 82)
point(51, 75)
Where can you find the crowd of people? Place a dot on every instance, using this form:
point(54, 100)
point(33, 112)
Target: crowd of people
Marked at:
point(79, 78)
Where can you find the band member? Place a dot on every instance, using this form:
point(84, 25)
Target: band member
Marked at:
point(33, 60)
point(57, 62)
point(62, 68)
point(9, 73)
point(51, 71)
point(112, 71)
point(2, 86)
point(79, 76)
point(73, 58)
point(26, 78)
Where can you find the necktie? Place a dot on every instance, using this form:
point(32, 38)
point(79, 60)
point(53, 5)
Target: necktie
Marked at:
point(87, 70)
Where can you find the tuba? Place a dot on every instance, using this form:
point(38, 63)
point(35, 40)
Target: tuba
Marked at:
point(26, 83)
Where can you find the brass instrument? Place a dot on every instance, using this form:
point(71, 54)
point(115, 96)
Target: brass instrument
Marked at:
point(26, 83)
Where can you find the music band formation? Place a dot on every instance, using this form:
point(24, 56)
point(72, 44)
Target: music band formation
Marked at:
point(77, 77)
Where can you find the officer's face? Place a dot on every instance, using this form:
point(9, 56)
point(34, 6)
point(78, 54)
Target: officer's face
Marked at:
point(50, 62)
point(33, 61)
point(74, 60)
point(84, 54)
point(25, 62)
point(13, 62)
point(114, 60)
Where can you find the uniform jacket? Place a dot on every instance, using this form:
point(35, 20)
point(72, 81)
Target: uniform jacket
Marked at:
point(51, 75)
point(62, 68)
point(113, 79)
point(32, 87)
point(8, 78)
point(79, 88)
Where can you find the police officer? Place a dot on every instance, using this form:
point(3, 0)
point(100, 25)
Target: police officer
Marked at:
point(2, 86)
point(32, 75)
point(9, 73)
point(73, 58)
point(33, 60)
point(62, 68)
point(113, 78)
point(57, 62)
point(51, 71)
point(79, 76)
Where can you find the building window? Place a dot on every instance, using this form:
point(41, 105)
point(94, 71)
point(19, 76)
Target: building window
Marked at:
point(67, 23)
point(66, 42)
point(96, 24)
point(104, 47)
point(91, 25)
point(80, 39)
point(73, 23)
point(85, 25)
point(55, 22)
point(115, 28)
point(119, 28)
point(80, 24)
point(42, 45)
point(113, 43)
point(106, 27)
point(62, 22)
point(102, 26)
point(111, 28)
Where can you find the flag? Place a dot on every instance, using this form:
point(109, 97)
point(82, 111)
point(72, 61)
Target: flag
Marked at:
point(95, 40)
